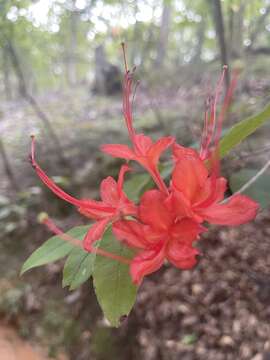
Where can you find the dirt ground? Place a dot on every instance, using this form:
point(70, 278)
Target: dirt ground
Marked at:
point(218, 311)
point(12, 347)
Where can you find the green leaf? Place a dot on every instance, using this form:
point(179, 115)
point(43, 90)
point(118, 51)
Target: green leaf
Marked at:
point(242, 130)
point(259, 191)
point(189, 339)
point(136, 185)
point(115, 291)
point(53, 249)
point(78, 268)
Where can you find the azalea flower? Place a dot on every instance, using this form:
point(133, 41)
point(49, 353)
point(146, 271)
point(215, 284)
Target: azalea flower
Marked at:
point(167, 222)
point(113, 205)
point(143, 150)
point(157, 235)
point(196, 181)
point(199, 195)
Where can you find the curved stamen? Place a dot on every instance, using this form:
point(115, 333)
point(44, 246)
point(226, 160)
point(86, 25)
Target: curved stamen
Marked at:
point(211, 126)
point(127, 92)
point(225, 106)
point(49, 182)
point(56, 230)
point(57, 190)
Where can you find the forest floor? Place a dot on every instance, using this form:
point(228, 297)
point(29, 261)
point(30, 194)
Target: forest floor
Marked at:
point(12, 347)
point(219, 310)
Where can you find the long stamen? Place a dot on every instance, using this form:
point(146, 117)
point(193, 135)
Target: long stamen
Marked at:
point(56, 230)
point(204, 133)
point(57, 190)
point(208, 129)
point(226, 105)
point(127, 92)
point(105, 253)
point(49, 182)
point(218, 89)
point(211, 126)
point(124, 55)
point(215, 153)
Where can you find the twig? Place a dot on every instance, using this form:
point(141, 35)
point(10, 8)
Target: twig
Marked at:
point(260, 151)
point(253, 179)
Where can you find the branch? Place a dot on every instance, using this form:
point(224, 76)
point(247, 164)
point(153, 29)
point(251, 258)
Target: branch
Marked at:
point(253, 179)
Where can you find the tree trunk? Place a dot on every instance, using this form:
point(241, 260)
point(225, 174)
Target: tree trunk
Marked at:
point(72, 49)
point(162, 44)
point(135, 37)
point(200, 40)
point(220, 33)
point(7, 167)
point(33, 103)
point(236, 24)
point(100, 65)
point(6, 73)
point(259, 27)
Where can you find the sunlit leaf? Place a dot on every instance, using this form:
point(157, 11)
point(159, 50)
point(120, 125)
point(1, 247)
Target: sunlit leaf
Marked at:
point(115, 291)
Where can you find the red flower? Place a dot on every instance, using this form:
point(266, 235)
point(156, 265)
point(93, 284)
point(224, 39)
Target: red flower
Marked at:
point(143, 150)
point(158, 235)
point(197, 193)
point(167, 221)
point(113, 206)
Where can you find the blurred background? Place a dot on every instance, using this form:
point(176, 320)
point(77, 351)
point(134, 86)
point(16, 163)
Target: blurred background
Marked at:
point(61, 69)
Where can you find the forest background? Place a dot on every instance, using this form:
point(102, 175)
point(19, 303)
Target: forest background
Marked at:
point(61, 69)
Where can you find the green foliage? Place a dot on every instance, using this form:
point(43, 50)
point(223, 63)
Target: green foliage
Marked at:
point(136, 185)
point(115, 291)
point(242, 130)
point(78, 268)
point(259, 191)
point(53, 249)
point(189, 339)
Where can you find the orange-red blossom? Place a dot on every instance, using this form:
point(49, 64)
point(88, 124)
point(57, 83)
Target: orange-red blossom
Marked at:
point(167, 221)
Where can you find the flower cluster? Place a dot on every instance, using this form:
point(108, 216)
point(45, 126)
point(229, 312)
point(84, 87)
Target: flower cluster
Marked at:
point(167, 221)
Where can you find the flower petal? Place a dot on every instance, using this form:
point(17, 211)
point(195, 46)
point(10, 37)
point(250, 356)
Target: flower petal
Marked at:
point(157, 149)
point(186, 232)
point(190, 173)
point(130, 232)
point(153, 211)
point(179, 205)
point(96, 209)
point(119, 151)
point(209, 193)
point(95, 233)
point(146, 263)
point(142, 144)
point(182, 256)
point(238, 210)
point(109, 191)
